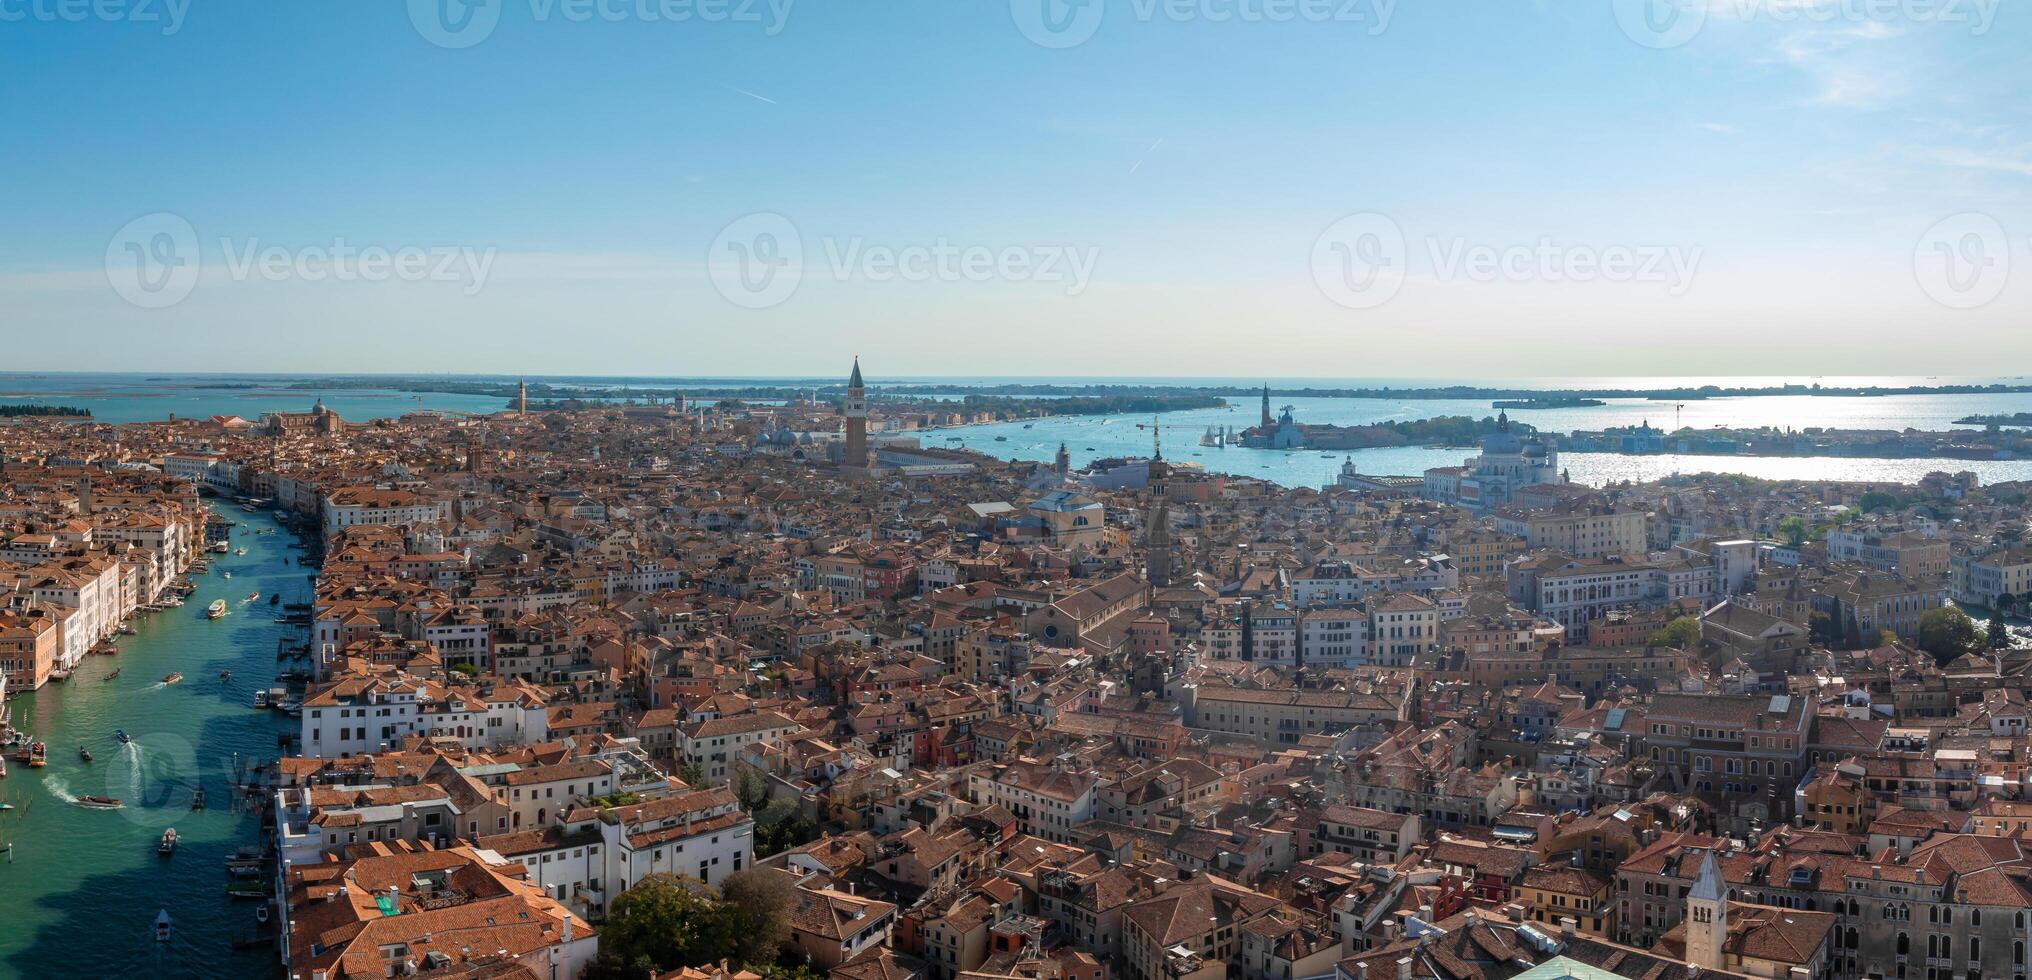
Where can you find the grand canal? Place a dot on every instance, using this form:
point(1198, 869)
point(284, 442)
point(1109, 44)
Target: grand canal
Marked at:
point(82, 890)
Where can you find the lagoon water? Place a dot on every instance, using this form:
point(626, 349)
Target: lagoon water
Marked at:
point(147, 398)
point(1088, 438)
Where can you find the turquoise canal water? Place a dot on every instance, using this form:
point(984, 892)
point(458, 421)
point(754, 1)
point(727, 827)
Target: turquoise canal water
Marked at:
point(80, 895)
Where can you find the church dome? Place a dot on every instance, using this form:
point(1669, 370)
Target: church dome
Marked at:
point(1502, 442)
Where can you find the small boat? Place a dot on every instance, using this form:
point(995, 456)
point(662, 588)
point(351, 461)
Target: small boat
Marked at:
point(216, 609)
point(4, 807)
point(225, 574)
point(121, 737)
point(98, 803)
point(108, 677)
point(168, 844)
point(162, 926)
point(225, 675)
point(127, 630)
point(38, 755)
point(274, 599)
point(240, 551)
point(1001, 438)
point(261, 699)
point(261, 913)
point(84, 753)
point(172, 677)
point(197, 799)
point(253, 596)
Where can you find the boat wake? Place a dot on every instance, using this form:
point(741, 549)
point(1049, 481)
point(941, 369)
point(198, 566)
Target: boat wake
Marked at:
point(157, 686)
point(59, 789)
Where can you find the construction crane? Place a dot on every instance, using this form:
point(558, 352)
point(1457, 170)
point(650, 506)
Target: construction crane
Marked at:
point(1157, 434)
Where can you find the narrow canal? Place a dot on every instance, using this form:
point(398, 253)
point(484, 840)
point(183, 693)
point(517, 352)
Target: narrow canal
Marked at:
point(81, 893)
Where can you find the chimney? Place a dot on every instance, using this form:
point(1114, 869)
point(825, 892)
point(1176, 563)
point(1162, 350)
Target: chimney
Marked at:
point(567, 926)
point(1362, 971)
point(1425, 914)
point(1404, 968)
point(1567, 926)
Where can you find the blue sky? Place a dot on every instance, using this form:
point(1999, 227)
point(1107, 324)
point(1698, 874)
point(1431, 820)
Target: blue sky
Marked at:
point(578, 185)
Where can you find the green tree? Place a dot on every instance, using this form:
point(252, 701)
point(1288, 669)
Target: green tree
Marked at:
point(759, 901)
point(1820, 628)
point(751, 788)
point(1876, 500)
point(1999, 636)
point(1947, 633)
point(665, 921)
point(1793, 529)
point(1678, 634)
point(693, 774)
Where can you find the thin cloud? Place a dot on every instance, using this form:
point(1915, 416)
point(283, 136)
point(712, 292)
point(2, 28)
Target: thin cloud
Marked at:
point(752, 95)
point(1138, 165)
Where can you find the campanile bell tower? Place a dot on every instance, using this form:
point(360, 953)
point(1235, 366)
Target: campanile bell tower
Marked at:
point(856, 411)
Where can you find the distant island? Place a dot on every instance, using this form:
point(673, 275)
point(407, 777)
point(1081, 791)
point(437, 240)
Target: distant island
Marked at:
point(44, 411)
point(2013, 419)
point(640, 388)
point(1548, 402)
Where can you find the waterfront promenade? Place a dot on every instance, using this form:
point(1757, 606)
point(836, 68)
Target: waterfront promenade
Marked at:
point(84, 886)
